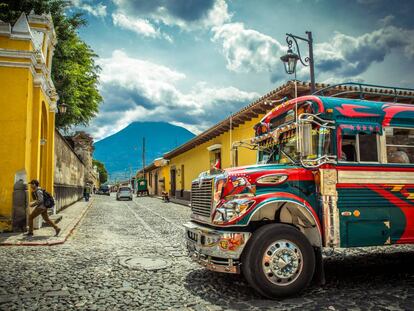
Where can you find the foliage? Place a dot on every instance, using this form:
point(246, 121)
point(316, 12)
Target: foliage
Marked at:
point(74, 71)
point(103, 174)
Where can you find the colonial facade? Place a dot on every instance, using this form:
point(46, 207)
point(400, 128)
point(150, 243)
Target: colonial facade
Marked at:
point(28, 103)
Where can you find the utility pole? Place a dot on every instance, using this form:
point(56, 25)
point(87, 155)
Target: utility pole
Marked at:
point(143, 156)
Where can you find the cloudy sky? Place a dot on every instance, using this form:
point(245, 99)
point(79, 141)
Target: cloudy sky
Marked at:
point(193, 62)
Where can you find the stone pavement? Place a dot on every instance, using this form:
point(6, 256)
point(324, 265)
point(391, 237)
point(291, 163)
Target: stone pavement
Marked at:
point(103, 266)
point(70, 217)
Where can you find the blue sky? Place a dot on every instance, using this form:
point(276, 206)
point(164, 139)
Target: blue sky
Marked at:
point(193, 62)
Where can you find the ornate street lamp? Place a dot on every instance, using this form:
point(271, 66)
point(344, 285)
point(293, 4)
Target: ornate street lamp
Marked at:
point(290, 59)
point(62, 107)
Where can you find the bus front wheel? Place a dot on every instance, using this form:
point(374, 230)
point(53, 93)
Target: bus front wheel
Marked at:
point(278, 261)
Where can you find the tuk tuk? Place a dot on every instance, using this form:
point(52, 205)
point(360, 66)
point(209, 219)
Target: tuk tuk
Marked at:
point(142, 187)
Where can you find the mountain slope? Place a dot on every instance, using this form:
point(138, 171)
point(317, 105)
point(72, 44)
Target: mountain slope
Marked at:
point(123, 150)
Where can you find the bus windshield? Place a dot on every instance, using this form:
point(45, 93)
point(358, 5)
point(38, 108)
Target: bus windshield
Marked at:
point(284, 149)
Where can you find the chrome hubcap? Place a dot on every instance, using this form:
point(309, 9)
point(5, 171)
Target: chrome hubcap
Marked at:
point(282, 262)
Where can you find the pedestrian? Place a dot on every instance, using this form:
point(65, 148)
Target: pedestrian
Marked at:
point(165, 197)
point(39, 208)
point(86, 193)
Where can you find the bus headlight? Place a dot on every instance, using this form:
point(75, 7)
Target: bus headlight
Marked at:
point(232, 210)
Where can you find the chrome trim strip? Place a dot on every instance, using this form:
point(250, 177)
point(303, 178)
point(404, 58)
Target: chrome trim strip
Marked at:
point(330, 212)
point(374, 177)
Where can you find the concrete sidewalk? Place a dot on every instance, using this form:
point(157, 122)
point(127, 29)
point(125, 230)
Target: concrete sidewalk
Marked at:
point(71, 216)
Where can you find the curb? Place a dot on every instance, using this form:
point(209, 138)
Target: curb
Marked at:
point(61, 240)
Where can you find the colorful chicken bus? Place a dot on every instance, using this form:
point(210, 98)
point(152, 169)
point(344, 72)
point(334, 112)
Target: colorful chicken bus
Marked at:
point(331, 173)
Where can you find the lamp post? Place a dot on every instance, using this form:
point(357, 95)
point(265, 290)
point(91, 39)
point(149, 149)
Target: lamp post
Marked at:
point(290, 59)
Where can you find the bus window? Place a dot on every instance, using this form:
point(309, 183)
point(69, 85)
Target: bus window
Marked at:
point(359, 148)
point(368, 148)
point(348, 153)
point(400, 145)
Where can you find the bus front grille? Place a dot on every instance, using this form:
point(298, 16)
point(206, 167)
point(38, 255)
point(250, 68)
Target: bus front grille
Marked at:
point(202, 197)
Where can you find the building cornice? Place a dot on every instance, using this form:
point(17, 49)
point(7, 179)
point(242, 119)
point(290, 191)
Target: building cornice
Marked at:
point(13, 64)
point(19, 54)
point(5, 29)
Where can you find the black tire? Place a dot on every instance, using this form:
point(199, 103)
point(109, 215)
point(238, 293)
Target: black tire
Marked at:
point(253, 260)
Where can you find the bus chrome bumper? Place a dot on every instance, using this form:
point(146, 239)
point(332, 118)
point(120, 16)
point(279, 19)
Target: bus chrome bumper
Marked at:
point(214, 249)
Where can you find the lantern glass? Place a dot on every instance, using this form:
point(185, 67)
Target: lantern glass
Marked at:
point(63, 108)
point(290, 60)
point(292, 64)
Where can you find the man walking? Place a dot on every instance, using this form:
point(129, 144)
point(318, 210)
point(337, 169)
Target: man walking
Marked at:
point(40, 208)
point(87, 192)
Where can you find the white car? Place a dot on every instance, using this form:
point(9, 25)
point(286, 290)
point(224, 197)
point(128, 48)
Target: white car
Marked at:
point(124, 192)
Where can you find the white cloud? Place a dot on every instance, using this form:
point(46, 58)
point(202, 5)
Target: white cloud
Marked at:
point(345, 56)
point(349, 56)
point(137, 25)
point(337, 80)
point(186, 15)
point(247, 50)
point(98, 10)
point(140, 90)
point(217, 16)
point(192, 128)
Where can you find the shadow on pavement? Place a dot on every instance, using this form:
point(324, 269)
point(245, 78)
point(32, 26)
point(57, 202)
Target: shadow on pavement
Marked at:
point(350, 282)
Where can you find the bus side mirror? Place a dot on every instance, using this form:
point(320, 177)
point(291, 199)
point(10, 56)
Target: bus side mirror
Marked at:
point(305, 139)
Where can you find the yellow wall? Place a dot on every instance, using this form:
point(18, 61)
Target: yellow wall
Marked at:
point(24, 107)
point(165, 173)
point(197, 160)
point(21, 45)
point(14, 97)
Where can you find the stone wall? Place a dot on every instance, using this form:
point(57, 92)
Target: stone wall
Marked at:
point(83, 146)
point(69, 173)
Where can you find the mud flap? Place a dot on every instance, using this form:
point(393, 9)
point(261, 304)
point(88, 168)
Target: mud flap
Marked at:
point(319, 275)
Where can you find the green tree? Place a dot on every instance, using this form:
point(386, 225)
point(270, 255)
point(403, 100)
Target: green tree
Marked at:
point(74, 71)
point(103, 173)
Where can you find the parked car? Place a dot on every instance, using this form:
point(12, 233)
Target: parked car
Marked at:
point(104, 190)
point(124, 192)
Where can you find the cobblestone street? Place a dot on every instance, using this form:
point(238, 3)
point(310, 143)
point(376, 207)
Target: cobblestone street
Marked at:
point(90, 271)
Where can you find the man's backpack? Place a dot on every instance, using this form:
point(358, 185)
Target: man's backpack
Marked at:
point(48, 200)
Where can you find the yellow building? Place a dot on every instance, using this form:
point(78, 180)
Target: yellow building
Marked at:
point(28, 106)
point(175, 171)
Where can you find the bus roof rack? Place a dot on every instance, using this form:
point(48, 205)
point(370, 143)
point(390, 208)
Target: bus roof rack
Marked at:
point(362, 90)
